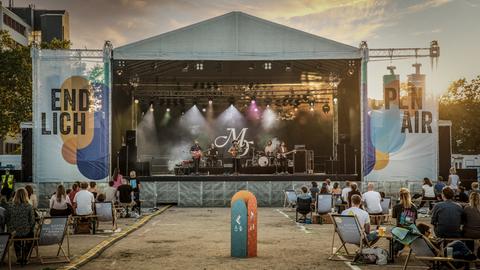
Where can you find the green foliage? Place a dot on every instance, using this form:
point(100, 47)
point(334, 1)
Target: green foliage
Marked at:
point(96, 74)
point(461, 105)
point(56, 44)
point(16, 82)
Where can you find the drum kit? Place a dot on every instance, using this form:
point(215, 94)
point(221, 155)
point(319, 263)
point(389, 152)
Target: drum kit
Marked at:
point(260, 158)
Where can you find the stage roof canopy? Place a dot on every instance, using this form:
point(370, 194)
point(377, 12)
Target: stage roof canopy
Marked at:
point(236, 36)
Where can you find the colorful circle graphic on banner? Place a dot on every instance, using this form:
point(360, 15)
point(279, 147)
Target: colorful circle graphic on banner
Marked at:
point(88, 146)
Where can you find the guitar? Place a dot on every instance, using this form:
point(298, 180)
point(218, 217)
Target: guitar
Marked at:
point(284, 155)
point(197, 154)
point(233, 151)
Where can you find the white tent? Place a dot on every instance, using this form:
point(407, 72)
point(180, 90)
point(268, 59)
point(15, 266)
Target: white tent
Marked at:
point(235, 36)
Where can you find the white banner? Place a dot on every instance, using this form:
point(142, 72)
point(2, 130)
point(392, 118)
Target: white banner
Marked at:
point(71, 117)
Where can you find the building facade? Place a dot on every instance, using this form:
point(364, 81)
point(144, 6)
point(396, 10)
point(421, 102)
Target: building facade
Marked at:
point(18, 29)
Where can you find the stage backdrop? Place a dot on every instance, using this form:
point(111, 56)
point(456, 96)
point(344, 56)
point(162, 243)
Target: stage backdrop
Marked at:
point(70, 116)
point(401, 133)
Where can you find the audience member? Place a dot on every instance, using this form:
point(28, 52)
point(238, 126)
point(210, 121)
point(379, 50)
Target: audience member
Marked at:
point(474, 188)
point(60, 204)
point(462, 195)
point(354, 191)
point(428, 193)
point(101, 197)
point(329, 185)
point(345, 191)
point(117, 178)
point(32, 197)
point(75, 189)
point(83, 201)
point(447, 216)
point(362, 215)
point(336, 189)
point(453, 179)
point(111, 193)
point(372, 200)
point(93, 188)
point(405, 212)
point(324, 189)
point(471, 227)
point(314, 190)
point(304, 194)
point(439, 187)
point(21, 220)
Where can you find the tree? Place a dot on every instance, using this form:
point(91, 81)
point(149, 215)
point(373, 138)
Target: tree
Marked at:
point(16, 82)
point(461, 105)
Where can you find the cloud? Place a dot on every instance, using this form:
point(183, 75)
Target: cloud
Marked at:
point(427, 4)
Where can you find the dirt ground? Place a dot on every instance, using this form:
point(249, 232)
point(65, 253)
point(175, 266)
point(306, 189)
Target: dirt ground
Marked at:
point(199, 238)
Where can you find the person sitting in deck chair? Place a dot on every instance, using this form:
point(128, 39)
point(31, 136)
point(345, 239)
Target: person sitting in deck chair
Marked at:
point(304, 201)
point(83, 201)
point(362, 216)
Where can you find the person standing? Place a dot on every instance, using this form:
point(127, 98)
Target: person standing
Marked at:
point(196, 152)
point(117, 178)
point(124, 195)
point(453, 179)
point(135, 184)
point(111, 193)
point(282, 157)
point(345, 191)
point(235, 152)
point(8, 181)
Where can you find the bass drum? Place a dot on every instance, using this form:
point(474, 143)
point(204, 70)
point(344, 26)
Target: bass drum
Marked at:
point(263, 162)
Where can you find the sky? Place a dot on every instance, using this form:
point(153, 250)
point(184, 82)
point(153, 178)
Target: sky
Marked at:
point(382, 23)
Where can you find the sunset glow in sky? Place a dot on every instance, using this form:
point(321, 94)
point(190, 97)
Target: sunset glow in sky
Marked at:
point(382, 23)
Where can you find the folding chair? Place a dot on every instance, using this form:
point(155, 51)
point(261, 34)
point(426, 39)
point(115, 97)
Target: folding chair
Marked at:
point(290, 198)
point(385, 216)
point(349, 231)
point(52, 231)
point(324, 204)
point(304, 207)
point(424, 250)
point(5, 243)
point(105, 212)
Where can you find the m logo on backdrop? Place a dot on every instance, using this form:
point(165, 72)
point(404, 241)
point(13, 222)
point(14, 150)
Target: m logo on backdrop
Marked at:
point(222, 141)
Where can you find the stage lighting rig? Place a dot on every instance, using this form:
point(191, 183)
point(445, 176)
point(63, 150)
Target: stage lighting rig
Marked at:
point(185, 68)
point(326, 108)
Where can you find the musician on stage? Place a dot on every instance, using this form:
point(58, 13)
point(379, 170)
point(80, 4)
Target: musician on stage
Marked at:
point(235, 151)
point(212, 155)
point(196, 152)
point(270, 151)
point(282, 157)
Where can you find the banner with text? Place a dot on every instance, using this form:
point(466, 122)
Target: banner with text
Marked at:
point(401, 131)
point(71, 116)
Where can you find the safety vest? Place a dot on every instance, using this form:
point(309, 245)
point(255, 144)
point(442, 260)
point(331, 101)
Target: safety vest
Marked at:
point(10, 180)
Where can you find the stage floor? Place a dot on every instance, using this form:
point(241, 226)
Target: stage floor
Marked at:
point(250, 177)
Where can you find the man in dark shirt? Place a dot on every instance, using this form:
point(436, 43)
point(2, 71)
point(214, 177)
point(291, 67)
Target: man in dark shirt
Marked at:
point(447, 216)
point(196, 152)
point(124, 195)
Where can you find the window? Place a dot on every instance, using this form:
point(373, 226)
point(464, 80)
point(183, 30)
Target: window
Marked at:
point(12, 148)
point(18, 27)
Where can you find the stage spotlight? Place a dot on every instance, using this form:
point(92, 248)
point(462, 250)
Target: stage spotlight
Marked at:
point(255, 109)
point(151, 107)
point(199, 66)
point(168, 109)
point(267, 65)
point(204, 109)
point(136, 101)
point(312, 109)
point(335, 100)
point(326, 108)
point(296, 108)
point(210, 101)
point(288, 67)
point(311, 103)
point(268, 105)
point(253, 100)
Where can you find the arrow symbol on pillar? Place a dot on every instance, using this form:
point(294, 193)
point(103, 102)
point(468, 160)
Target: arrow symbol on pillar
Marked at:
point(238, 219)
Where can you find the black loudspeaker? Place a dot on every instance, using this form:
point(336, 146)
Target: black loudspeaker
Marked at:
point(143, 168)
point(132, 157)
point(300, 162)
point(331, 166)
point(122, 160)
point(131, 137)
point(26, 155)
point(346, 159)
point(444, 150)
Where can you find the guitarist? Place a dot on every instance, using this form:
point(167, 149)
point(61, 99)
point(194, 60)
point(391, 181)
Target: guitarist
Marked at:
point(282, 152)
point(234, 151)
point(196, 152)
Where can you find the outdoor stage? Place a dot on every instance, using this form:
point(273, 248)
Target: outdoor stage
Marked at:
point(251, 177)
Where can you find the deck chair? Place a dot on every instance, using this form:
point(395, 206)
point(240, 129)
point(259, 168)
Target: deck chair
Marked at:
point(324, 204)
point(290, 198)
point(304, 207)
point(349, 231)
point(424, 250)
point(105, 212)
point(52, 231)
point(5, 243)
point(385, 216)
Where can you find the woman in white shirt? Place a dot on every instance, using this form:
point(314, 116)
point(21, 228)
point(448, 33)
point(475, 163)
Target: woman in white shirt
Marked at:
point(32, 197)
point(428, 193)
point(60, 204)
point(453, 179)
